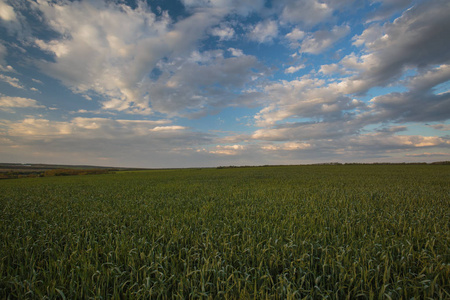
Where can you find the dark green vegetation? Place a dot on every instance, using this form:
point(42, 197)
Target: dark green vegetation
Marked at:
point(56, 172)
point(368, 232)
point(17, 171)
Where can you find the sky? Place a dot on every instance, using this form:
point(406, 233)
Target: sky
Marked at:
point(204, 83)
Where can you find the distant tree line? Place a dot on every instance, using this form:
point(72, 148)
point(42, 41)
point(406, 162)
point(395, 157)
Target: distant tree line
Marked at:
point(341, 164)
point(54, 172)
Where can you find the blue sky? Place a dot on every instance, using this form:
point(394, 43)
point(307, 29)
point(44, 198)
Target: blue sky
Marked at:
point(196, 83)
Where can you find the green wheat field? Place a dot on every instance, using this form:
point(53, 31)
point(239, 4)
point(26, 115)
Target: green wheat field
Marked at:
point(288, 232)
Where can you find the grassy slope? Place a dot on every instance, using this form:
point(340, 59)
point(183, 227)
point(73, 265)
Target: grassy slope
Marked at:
point(267, 232)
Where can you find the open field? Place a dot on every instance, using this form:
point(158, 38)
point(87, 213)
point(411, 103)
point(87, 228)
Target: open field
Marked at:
point(363, 231)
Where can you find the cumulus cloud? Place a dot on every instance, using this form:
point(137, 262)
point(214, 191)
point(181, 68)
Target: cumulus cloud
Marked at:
point(411, 107)
point(289, 146)
point(12, 81)
point(241, 7)
point(306, 131)
point(202, 83)
point(308, 12)
point(384, 141)
point(191, 64)
point(13, 20)
point(387, 8)
point(345, 146)
point(81, 127)
point(329, 69)
point(9, 18)
point(108, 55)
point(264, 32)
point(305, 97)
point(342, 141)
point(223, 32)
point(419, 103)
point(168, 128)
point(325, 113)
point(294, 37)
point(320, 40)
point(294, 69)
point(7, 102)
point(429, 78)
point(111, 55)
point(236, 52)
point(333, 116)
point(227, 149)
point(7, 12)
point(90, 140)
point(333, 113)
point(417, 39)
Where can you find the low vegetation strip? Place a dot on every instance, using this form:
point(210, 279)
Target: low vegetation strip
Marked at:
point(344, 231)
point(71, 172)
point(53, 172)
point(17, 171)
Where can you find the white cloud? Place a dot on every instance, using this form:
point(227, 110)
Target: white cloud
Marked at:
point(12, 20)
point(90, 128)
point(290, 146)
point(218, 82)
point(264, 32)
point(227, 149)
point(388, 7)
point(410, 107)
point(90, 140)
point(306, 131)
point(320, 40)
point(322, 140)
point(7, 12)
point(419, 103)
point(37, 81)
point(430, 78)
point(241, 7)
point(136, 62)
point(416, 39)
point(38, 128)
point(12, 81)
point(325, 114)
point(329, 69)
point(293, 69)
point(369, 35)
point(113, 54)
point(168, 128)
point(295, 36)
point(18, 102)
point(236, 52)
point(305, 97)
point(306, 12)
point(106, 55)
point(384, 140)
point(224, 33)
